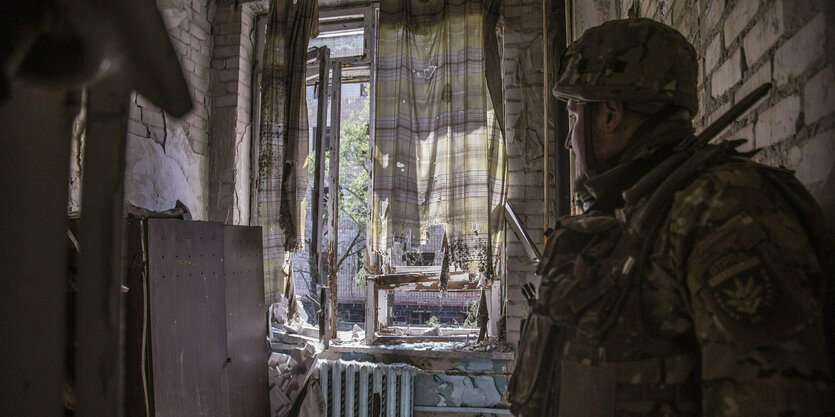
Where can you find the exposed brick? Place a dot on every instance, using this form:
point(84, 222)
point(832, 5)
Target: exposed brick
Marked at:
point(764, 34)
point(712, 16)
point(228, 74)
point(746, 132)
point(718, 112)
point(778, 122)
point(226, 51)
point(514, 324)
point(713, 53)
point(514, 293)
point(232, 63)
point(534, 178)
point(226, 101)
point(516, 180)
point(199, 33)
point(814, 160)
point(728, 74)
point(761, 76)
point(515, 250)
point(515, 193)
point(804, 48)
point(738, 19)
point(517, 310)
point(819, 96)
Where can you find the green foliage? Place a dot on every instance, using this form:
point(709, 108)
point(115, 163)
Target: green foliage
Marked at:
point(354, 168)
point(354, 175)
point(434, 322)
point(471, 321)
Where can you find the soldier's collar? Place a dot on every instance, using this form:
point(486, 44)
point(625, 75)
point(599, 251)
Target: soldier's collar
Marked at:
point(648, 147)
point(605, 188)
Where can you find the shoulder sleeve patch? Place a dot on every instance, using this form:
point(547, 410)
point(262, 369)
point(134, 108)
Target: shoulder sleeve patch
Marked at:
point(739, 275)
point(741, 288)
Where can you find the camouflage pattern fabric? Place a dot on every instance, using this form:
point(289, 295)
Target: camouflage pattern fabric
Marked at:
point(718, 314)
point(612, 62)
point(753, 284)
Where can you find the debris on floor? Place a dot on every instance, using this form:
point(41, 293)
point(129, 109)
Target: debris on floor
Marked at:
point(288, 375)
point(295, 346)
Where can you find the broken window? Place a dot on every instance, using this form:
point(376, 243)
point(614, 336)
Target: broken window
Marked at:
point(424, 195)
point(439, 166)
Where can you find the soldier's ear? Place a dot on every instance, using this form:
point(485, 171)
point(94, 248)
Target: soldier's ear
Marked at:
point(611, 115)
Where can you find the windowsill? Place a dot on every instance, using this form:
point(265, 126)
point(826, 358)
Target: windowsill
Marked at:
point(423, 350)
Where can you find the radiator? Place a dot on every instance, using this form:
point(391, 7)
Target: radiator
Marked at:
point(363, 389)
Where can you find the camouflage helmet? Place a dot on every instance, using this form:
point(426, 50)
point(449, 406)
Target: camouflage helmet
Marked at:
point(631, 60)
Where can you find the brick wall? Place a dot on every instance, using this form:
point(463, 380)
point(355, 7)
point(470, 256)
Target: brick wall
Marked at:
point(741, 44)
point(167, 158)
point(233, 31)
point(744, 43)
point(521, 48)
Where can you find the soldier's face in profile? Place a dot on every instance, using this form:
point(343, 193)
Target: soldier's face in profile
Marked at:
point(574, 140)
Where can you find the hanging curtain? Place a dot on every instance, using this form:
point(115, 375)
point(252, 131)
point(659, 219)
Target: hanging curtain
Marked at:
point(282, 167)
point(439, 153)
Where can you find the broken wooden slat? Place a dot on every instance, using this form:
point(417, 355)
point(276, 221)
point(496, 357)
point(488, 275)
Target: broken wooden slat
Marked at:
point(423, 282)
point(333, 192)
point(398, 269)
point(370, 313)
point(318, 150)
point(412, 339)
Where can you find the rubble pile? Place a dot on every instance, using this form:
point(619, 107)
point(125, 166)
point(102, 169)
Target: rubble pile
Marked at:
point(295, 346)
point(288, 375)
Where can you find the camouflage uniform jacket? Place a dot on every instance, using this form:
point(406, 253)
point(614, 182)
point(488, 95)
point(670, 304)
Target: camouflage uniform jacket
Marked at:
point(710, 308)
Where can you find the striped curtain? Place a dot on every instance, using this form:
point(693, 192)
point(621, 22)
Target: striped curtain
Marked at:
point(282, 168)
point(439, 156)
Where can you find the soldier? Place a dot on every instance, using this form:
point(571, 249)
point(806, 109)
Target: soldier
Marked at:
point(691, 284)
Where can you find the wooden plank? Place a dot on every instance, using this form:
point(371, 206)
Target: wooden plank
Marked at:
point(417, 281)
point(402, 268)
point(340, 25)
point(494, 297)
point(412, 339)
point(326, 306)
point(371, 261)
point(187, 318)
point(327, 12)
point(333, 193)
point(99, 300)
point(370, 312)
point(243, 271)
point(318, 183)
point(382, 309)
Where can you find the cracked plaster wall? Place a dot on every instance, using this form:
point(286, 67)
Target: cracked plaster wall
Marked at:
point(167, 158)
point(521, 51)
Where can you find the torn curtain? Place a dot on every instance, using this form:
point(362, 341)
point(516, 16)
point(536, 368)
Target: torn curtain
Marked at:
point(439, 155)
point(282, 167)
